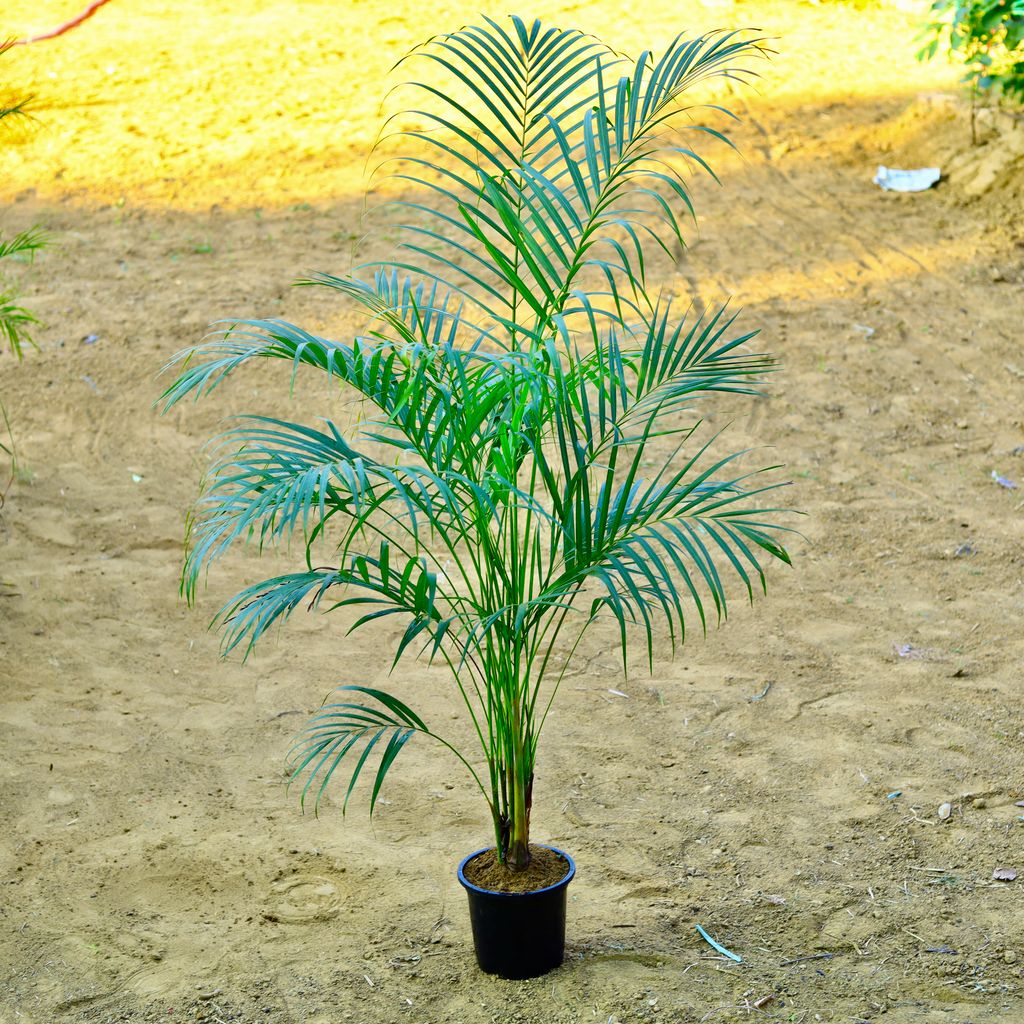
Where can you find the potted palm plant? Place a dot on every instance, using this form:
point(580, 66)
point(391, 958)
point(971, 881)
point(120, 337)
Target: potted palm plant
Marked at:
point(529, 462)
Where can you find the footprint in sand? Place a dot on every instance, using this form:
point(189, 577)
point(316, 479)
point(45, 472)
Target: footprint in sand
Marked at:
point(301, 899)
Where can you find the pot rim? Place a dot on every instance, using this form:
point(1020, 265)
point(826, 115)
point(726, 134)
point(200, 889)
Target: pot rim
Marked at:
point(560, 884)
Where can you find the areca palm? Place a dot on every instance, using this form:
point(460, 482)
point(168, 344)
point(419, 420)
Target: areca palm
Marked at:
point(504, 493)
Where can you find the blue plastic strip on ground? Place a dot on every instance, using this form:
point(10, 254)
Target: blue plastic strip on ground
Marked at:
point(721, 949)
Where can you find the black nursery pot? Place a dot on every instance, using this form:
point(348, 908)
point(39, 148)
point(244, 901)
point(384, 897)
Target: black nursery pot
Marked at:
point(518, 934)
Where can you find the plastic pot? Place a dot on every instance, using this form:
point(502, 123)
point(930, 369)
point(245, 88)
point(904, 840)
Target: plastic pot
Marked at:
point(518, 934)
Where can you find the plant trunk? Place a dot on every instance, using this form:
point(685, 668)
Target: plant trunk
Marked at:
point(519, 838)
point(520, 784)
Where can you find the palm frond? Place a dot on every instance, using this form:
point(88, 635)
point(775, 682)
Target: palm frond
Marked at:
point(338, 730)
point(347, 728)
point(25, 244)
point(522, 221)
point(391, 581)
point(17, 107)
point(275, 478)
point(14, 324)
point(15, 320)
point(517, 85)
point(252, 611)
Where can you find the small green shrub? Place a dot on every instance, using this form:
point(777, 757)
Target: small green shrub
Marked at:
point(987, 36)
point(15, 321)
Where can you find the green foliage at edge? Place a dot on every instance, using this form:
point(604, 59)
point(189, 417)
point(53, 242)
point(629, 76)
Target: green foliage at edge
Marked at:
point(987, 36)
point(15, 320)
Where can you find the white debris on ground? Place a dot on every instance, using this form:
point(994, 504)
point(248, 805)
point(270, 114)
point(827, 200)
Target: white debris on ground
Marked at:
point(919, 180)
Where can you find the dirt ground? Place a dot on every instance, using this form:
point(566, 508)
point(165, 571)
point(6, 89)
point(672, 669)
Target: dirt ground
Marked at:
point(778, 784)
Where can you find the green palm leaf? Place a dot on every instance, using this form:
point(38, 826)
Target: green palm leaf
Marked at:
point(15, 324)
point(349, 728)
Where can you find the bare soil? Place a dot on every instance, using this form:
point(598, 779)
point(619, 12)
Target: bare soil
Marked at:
point(778, 785)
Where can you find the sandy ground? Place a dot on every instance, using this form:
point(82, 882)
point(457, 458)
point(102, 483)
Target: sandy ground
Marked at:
point(777, 784)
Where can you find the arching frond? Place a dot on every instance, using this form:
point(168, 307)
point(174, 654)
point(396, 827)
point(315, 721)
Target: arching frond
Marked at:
point(338, 730)
point(350, 728)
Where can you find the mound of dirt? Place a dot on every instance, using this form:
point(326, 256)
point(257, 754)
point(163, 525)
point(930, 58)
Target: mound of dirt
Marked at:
point(979, 159)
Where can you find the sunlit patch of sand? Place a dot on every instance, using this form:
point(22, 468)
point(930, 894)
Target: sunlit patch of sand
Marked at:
point(281, 105)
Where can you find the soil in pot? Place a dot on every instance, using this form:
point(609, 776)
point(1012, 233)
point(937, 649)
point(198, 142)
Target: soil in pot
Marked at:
point(546, 867)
